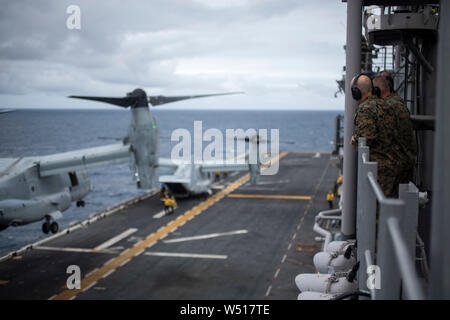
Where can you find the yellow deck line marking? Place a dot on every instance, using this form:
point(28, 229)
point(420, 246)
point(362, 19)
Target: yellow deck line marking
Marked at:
point(268, 196)
point(151, 239)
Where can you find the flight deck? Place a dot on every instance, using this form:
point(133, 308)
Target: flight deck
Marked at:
point(242, 242)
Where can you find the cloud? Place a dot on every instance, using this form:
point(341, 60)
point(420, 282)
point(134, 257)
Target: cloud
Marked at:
point(265, 47)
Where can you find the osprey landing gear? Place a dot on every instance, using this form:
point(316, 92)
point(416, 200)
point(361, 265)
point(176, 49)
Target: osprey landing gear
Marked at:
point(81, 203)
point(50, 225)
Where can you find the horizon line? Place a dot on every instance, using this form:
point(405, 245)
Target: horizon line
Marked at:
point(178, 109)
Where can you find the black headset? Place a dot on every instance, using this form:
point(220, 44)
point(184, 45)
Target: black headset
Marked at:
point(356, 93)
point(390, 81)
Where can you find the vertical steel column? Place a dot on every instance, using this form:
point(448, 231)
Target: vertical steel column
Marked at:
point(406, 75)
point(353, 67)
point(408, 223)
point(410, 195)
point(440, 234)
point(397, 67)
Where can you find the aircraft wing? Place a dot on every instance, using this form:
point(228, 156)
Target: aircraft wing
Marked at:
point(253, 169)
point(167, 163)
point(173, 179)
point(223, 166)
point(209, 166)
point(83, 159)
point(6, 164)
point(206, 166)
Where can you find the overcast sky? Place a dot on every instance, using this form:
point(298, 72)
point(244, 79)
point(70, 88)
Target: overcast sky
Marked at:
point(285, 54)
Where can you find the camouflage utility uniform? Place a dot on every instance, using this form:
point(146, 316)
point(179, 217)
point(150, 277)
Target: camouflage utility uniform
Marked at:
point(405, 137)
point(377, 122)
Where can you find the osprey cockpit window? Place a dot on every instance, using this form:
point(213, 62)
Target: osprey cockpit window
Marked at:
point(73, 179)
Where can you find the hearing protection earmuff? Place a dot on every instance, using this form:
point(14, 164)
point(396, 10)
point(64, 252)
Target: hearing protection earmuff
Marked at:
point(376, 91)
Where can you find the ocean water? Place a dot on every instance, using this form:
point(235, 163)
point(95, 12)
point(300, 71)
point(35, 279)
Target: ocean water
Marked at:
point(41, 132)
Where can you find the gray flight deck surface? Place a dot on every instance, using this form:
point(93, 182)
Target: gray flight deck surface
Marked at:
point(257, 260)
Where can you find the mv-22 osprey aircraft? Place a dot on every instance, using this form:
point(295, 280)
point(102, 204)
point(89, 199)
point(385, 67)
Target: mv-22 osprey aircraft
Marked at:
point(36, 188)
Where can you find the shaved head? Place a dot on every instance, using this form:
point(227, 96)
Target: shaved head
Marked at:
point(364, 84)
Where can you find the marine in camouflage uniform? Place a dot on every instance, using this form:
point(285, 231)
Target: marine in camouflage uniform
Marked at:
point(405, 136)
point(377, 122)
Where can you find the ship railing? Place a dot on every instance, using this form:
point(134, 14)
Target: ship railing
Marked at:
point(386, 239)
point(323, 217)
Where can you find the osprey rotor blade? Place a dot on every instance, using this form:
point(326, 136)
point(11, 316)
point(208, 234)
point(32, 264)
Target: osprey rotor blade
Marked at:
point(158, 100)
point(257, 139)
point(121, 102)
point(252, 139)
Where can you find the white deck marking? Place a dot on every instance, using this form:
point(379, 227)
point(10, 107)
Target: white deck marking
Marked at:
point(90, 273)
point(116, 239)
point(65, 249)
point(276, 273)
point(206, 236)
point(99, 288)
point(109, 261)
point(186, 255)
point(88, 287)
point(107, 274)
point(113, 249)
point(268, 291)
point(159, 215)
point(317, 155)
point(125, 262)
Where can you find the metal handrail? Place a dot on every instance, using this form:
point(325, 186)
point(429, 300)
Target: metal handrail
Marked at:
point(380, 194)
point(326, 215)
point(411, 285)
point(391, 237)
